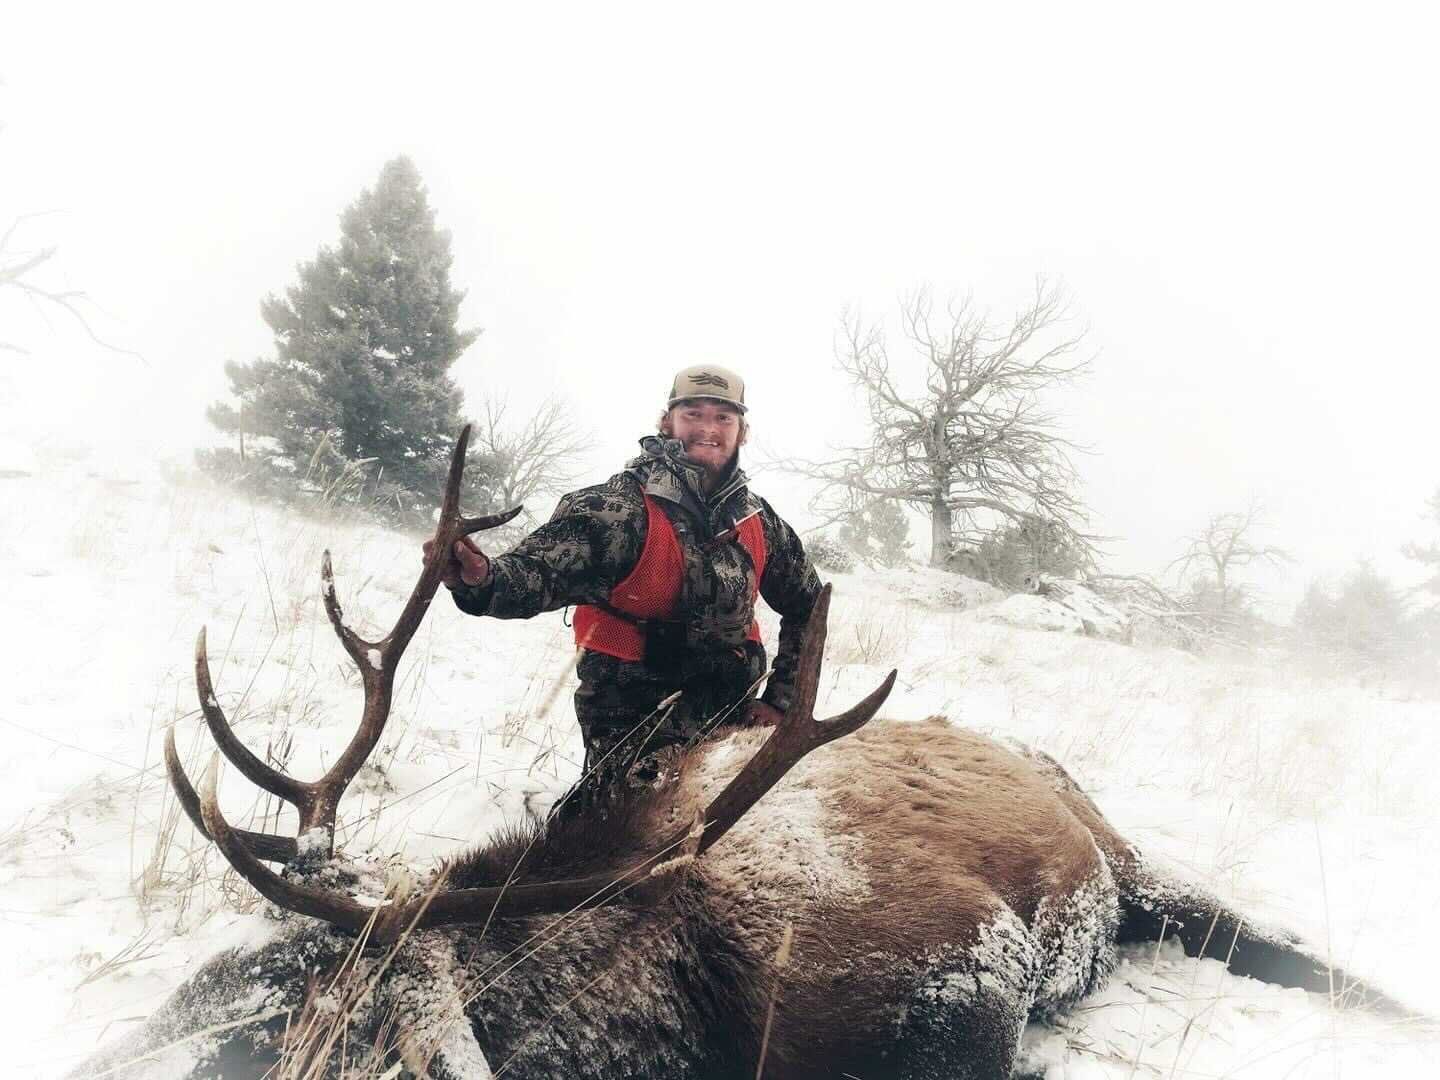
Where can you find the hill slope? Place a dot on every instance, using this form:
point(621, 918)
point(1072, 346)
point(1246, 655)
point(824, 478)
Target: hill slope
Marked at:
point(1308, 805)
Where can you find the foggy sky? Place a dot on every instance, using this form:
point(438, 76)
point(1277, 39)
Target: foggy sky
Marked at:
point(1241, 203)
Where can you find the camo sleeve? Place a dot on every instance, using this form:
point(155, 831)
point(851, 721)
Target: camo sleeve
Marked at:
point(790, 586)
point(591, 542)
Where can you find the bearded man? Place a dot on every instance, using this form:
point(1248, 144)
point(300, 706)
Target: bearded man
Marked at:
point(662, 562)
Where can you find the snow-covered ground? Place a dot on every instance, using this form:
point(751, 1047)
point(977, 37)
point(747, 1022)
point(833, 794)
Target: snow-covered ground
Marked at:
point(1311, 805)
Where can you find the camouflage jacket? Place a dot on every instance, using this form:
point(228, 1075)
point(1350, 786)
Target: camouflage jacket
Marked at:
point(595, 537)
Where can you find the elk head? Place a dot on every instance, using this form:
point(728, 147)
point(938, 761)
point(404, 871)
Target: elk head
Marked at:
point(796, 735)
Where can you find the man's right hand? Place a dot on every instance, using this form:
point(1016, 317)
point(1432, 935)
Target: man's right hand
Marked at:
point(467, 564)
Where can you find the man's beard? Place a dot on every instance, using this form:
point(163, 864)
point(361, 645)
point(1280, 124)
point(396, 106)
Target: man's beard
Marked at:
point(721, 475)
point(725, 470)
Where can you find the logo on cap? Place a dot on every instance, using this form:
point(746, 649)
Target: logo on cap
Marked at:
point(704, 378)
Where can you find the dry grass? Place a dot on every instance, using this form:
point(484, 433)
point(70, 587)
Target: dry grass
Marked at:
point(871, 633)
point(137, 950)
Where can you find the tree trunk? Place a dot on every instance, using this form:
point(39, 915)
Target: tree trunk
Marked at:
point(941, 537)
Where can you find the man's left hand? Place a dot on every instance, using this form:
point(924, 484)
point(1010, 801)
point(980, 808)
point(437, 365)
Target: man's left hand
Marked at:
point(763, 715)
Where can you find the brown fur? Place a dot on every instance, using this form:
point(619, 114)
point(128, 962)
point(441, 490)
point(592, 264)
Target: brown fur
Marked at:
point(881, 851)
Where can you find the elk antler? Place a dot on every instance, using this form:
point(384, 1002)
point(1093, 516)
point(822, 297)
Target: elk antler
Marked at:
point(377, 660)
point(794, 737)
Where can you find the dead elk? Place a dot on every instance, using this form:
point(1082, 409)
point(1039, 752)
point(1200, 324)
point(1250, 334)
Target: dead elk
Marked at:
point(898, 905)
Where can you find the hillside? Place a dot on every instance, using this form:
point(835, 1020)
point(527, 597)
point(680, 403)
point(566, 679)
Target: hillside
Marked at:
point(1309, 804)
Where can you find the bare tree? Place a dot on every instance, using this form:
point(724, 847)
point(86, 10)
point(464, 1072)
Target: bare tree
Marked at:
point(973, 445)
point(539, 457)
point(18, 271)
point(1227, 543)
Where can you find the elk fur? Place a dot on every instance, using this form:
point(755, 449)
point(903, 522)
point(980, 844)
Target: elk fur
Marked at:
point(941, 887)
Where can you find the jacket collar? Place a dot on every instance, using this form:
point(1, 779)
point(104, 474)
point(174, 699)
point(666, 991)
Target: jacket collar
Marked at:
point(665, 472)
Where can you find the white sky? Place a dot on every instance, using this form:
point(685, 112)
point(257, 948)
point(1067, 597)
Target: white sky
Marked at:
point(1241, 200)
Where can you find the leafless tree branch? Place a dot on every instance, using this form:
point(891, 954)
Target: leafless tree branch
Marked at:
point(974, 443)
point(17, 272)
point(1224, 545)
point(538, 457)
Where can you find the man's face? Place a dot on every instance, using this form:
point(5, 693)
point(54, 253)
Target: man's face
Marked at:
point(709, 430)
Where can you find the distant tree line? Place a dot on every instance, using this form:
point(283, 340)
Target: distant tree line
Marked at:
point(1361, 624)
point(958, 431)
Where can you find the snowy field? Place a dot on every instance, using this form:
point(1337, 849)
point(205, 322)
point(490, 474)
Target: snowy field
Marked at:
point(1308, 804)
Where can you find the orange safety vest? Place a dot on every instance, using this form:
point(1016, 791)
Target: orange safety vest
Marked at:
point(652, 588)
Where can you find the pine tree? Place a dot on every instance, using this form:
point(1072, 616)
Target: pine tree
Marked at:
point(1011, 554)
point(878, 531)
point(1428, 555)
point(357, 402)
point(1360, 623)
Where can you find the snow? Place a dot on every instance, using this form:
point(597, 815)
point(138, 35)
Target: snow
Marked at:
point(1310, 805)
point(800, 854)
point(312, 840)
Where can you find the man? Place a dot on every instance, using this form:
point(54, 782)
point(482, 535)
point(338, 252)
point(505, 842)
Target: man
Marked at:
point(663, 562)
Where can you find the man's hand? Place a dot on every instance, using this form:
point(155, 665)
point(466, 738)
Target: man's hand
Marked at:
point(467, 564)
point(763, 715)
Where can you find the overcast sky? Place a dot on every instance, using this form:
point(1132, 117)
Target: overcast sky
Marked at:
point(1241, 201)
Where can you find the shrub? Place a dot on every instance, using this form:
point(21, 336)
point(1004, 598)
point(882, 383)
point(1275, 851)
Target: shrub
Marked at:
point(827, 553)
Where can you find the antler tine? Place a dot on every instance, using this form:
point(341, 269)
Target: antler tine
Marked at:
point(857, 716)
point(353, 643)
point(807, 666)
point(470, 525)
point(288, 788)
point(795, 736)
point(449, 528)
point(279, 849)
point(450, 500)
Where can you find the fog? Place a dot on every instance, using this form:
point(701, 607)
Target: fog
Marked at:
point(1239, 201)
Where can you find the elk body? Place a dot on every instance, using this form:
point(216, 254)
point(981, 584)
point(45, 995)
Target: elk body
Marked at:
point(899, 905)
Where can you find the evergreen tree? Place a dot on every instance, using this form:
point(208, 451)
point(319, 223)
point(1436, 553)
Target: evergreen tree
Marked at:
point(1316, 618)
point(878, 531)
point(1371, 615)
point(1007, 556)
point(1428, 555)
point(357, 401)
point(1360, 623)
